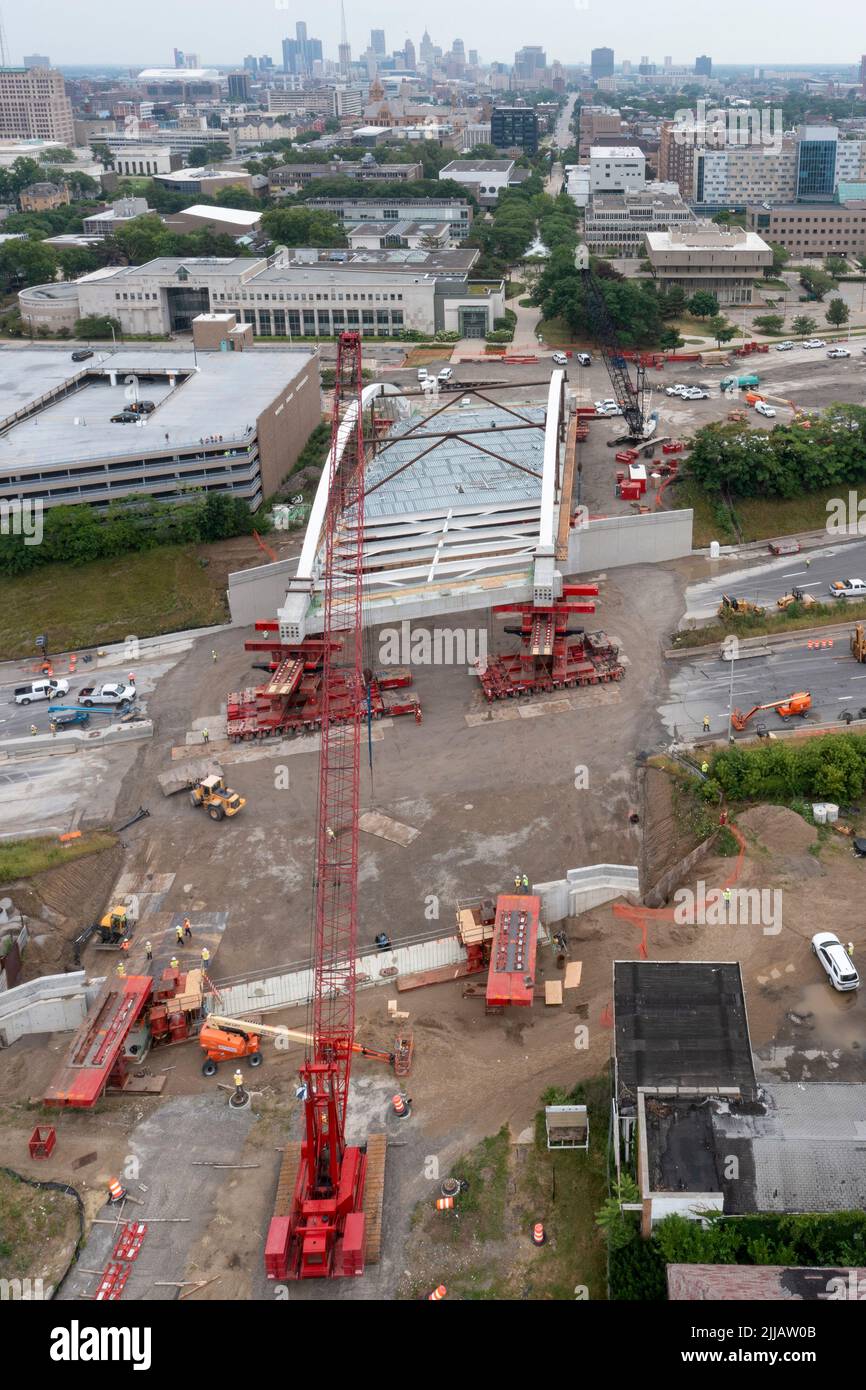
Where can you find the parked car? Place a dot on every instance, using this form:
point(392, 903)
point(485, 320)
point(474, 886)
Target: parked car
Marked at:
point(815, 343)
point(761, 408)
point(82, 354)
point(676, 390)
point(838, 352)
point(560, 359)
point(608, 407)
point(835, 960)
point(446, 374)
point(584, 359)
point(848, 588)
point(786, 346)
point(40, 690)
point(422, 373)
point(126, 417)
point(695, 393)
point(141, 407)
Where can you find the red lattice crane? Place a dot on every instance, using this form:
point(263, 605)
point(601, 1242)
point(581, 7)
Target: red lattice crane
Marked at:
point(327, 1216)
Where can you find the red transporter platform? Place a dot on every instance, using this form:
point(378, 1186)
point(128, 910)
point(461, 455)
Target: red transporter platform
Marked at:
point(546, 659)
point(291, 700)
point(511, 979)
point(95, 1058)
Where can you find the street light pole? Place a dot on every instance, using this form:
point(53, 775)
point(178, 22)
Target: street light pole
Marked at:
point(731, 697)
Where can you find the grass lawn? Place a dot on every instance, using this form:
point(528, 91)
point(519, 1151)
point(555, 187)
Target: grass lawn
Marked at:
point(483, 1250)
point(38, 1230)
point(163, 590)
point(21, 858)
point(513, 288)
point(758, 517)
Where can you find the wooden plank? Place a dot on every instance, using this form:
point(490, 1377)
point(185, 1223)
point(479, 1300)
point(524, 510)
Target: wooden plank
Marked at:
point(553, 991)
point(573, 972)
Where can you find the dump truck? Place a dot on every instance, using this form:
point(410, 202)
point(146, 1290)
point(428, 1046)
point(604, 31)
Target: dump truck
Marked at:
point(799, 703)
point(219, 799)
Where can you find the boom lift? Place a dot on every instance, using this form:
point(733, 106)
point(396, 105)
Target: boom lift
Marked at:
point(230, 1039)
point(328, 1212)
point(799, 703)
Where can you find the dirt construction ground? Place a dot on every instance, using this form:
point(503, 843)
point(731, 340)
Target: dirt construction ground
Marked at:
point(487, 796)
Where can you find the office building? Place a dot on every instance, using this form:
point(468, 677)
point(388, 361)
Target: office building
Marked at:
point(833, 229)
point(131, 160)
point(598, 125)
point(230, 422)
point(377, 42)
point(484, 177)
point(36, 60)
point(530, 64)
point(704, 66)
point(723, 260)
point(514, 127)
point(290, 177)
point(816, 162)
point(239, 87)
point(301, 52)
point(34, 106)
point(620, 169)
point(620, 221)
point(104, 224)
point(454, 211)
point(601, 62)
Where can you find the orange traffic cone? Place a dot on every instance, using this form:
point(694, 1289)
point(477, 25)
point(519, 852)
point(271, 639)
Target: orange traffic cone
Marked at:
point(439, 1292)
point(401, 1107)
point(444, 1203)
point(116, 1193)
point(538, 1235)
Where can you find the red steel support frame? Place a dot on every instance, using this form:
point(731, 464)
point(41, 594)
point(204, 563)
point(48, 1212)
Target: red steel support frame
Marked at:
point(330, 1185)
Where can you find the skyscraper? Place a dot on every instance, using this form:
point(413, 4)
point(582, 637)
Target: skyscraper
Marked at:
point(601, 62)
point(426, 50)
point(377, 42)
point(239, 86)
point(34, 106)
point(409, 56)
point(704, 66)
point(344, 51)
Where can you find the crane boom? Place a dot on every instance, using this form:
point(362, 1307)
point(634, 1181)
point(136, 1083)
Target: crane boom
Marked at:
point(631, 395)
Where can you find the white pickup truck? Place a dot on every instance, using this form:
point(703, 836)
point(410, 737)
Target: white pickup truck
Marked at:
point(40, 690)
point(106, 695)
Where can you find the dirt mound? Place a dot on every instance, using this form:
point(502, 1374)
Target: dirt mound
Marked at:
point(59, 903)
point(779, 830)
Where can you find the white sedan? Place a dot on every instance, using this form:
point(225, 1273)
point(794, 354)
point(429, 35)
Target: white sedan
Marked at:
point(835, 960)
point(848, 588)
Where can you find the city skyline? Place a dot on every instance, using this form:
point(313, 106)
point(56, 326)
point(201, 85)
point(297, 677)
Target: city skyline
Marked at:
point(97, 33)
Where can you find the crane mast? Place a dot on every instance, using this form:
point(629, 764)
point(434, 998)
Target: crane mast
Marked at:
point(324, 1234)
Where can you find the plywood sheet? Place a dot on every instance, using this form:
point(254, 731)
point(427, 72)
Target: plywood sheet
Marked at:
point(573, 972)
point(553, 991)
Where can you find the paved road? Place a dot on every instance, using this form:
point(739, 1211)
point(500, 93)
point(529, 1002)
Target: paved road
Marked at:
point(767, 580)
point(835, 681)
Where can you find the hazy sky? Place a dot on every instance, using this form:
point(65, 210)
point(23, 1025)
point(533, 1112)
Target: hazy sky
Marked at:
point(222, 31)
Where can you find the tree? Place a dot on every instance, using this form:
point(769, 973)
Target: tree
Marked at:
point(671, 340)
point(24, 263)
point(781, 256)
point(59, 154)
point(96, 326)
point(803, 326)
point(835, 266)
point(212, 153)
point(302, 226)
point(837, 312)
point(816, 282)
point(143, 238)
point(234, 195)
point(101, 153)
point(769, 323)
point(719, 328)
point(703, 304)
point(77, 260)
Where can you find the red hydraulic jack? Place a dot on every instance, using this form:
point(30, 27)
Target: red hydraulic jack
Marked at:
point(547, 660)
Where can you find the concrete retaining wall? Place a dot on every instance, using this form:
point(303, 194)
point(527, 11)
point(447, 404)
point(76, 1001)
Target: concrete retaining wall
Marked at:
point(73, 741)
point(51, 1004)
point(258, 592)
point(293, 985)
point(585, 888)
point(629, 540)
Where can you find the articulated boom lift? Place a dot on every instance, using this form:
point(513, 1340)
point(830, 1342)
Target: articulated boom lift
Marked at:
point(328, 1211)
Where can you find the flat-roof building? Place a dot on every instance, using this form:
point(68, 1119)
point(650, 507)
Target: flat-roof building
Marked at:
point(34, 106)
point(618, 169)
point(827, 229)
point(485, 177)
point(621, 220)
point(352, 212)
point(236, 222)
point(290, 177)
point(224, 422)
point(724, 260)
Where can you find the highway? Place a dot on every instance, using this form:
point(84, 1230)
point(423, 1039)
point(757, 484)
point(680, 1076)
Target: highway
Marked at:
point(768, 579)
point(834, 679)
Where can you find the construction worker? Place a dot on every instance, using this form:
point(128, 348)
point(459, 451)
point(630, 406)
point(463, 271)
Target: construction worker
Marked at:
point(706, 723)
point(205, 736)
point(174, 963)
point(148, 950)
point(524, 883)
point(120, 970)
point(518, 880)
point(850, 948)
point(726, 895)
point(124, 945)
point(33, 729)
point(131, 678)
point(213, 656)
point(238, 1079)
point(53, 727)
point(205, 957)
point(187, 929)
point(383, 941)
point(178, 931)
point(807, 562)
point(705, 767)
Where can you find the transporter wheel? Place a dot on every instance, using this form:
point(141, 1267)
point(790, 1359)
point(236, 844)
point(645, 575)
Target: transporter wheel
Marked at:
point(255, 1059)
point(209, 1068)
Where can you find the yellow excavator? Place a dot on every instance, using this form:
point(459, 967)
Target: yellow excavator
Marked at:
point(799, 703)
point(858, 643)
point(796, 596)
point(738, 607)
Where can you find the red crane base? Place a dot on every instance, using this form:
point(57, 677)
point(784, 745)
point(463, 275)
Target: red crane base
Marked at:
point(319, 1239)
